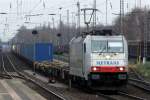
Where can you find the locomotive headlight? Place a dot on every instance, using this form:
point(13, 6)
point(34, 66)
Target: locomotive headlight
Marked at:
point(121, 68)
point(94, 68)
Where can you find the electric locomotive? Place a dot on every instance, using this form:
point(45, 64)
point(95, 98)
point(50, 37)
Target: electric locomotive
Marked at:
point(99, 60)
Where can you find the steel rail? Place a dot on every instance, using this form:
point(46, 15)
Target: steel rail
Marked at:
point(122, 94)
point(131, 96)
point(14, 68)
point(137, 75)
point(141, 81)
point(8, 77)
point(56, 96)
point(3, 66)
point(138, 85)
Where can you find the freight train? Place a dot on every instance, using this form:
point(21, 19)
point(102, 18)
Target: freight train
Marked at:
point(98, 60)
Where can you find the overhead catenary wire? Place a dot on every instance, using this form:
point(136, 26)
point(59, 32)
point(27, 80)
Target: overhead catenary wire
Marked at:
point(36, 5)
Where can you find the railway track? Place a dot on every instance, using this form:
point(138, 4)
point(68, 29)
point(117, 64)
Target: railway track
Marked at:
point(134, 74)
point(138, 81)
point(115, 95)
point(118, 96)
point(5, 70)
point(131, 96)
point(140, 84)
point(121, 95)
point(11, 71)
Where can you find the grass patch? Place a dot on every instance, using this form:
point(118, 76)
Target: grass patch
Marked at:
point(144, 69)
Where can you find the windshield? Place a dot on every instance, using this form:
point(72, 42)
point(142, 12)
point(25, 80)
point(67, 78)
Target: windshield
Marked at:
point(107, 46)
point(99, 46)
point(115, 47)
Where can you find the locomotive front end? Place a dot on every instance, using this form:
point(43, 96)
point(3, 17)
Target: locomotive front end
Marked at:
point(109, 61)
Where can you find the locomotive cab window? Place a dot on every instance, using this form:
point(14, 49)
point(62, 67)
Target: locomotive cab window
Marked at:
point(115, 46)
point(99, 46)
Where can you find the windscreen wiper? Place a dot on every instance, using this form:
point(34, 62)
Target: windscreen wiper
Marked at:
point(102, 50)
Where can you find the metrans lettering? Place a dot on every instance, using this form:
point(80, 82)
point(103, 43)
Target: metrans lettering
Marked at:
point(107, 63)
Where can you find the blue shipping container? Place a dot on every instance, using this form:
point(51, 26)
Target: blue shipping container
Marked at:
point(37, 52)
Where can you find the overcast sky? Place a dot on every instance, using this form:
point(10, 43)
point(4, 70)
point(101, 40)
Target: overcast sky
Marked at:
point(16, 12)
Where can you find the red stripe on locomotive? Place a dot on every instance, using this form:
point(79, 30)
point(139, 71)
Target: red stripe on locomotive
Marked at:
point(108, 69)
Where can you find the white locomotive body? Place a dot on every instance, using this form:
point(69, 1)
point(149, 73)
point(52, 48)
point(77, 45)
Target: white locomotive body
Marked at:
point(98, 60)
